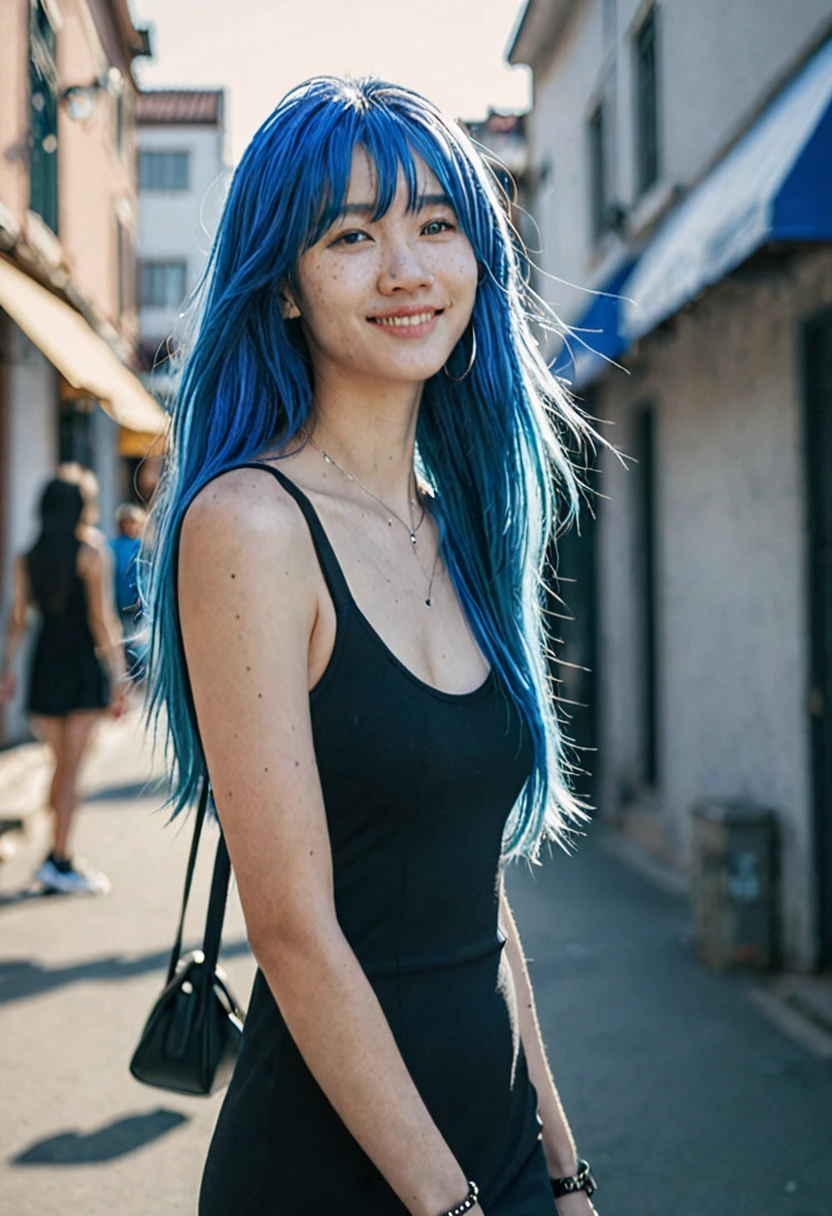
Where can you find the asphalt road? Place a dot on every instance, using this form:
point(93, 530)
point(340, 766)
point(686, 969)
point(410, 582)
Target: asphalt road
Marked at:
point(684, 1099)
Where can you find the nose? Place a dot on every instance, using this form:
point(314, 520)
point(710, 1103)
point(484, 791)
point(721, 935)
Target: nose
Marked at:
point(403, 270)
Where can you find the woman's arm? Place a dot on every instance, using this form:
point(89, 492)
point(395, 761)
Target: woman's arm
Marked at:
point(558, 1143)
point(101, 617)
point(16, 629)
point(250, 594)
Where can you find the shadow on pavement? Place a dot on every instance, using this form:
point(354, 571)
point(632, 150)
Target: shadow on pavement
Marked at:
point(116, 1139)
point(28, 893)
point(22, 978)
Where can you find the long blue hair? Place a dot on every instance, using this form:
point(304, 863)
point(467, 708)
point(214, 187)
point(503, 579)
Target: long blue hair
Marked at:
point(492, 446)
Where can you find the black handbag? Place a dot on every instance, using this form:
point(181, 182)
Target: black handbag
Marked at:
point(190, 1040)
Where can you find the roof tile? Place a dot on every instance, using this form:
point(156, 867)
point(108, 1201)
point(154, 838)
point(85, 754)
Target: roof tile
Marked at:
point(179, 107)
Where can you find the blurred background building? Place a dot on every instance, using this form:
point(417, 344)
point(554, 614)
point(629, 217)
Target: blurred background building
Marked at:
point(68, 222)
point(182, 176)
point(680, 163)
point(502, 139)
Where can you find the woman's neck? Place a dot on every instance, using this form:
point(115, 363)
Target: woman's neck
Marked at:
point(371, 433)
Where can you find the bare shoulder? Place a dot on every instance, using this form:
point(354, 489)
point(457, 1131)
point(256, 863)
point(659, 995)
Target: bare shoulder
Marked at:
point(242, 501)
point(245, 519)
point(90, 560)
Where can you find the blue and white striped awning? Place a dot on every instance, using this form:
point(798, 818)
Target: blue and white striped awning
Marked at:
point(774, 185)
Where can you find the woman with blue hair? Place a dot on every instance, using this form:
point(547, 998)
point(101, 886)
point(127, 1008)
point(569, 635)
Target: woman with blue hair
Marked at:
point(363, 472)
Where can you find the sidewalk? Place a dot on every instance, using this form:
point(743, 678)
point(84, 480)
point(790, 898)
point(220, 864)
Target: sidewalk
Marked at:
point(78, 976)
point(685, 1100)
point(119, 755)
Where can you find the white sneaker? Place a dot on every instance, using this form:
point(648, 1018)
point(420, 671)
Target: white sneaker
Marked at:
point(72, 881)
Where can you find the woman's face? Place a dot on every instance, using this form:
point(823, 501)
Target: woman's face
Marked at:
point(387, 299)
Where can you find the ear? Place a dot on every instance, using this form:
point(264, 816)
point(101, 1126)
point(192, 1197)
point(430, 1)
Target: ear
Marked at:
point(288, 306)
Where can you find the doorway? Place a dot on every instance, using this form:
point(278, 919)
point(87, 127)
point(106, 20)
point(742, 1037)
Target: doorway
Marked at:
point(817, 363)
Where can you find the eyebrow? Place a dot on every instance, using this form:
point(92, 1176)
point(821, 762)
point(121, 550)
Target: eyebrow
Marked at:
point(426, 200)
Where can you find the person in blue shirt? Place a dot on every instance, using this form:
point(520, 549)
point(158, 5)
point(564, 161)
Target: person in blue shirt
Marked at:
point(130, 520)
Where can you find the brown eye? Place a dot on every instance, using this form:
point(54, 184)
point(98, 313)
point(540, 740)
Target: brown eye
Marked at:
point(354, 237)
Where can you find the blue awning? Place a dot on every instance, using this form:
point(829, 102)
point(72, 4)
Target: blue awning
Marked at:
point(774, 185)
point(596, 338)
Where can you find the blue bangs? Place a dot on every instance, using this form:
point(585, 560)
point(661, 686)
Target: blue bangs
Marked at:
point(492, 446)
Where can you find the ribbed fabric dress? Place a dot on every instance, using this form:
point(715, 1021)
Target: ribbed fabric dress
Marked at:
point(417, 785)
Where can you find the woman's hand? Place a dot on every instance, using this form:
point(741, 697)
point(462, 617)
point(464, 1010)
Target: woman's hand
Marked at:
point(8, 686)
point(119, 696)
point(576, 1204)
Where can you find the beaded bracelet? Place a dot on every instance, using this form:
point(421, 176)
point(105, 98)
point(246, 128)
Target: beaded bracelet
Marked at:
point(582, 1181)
point(468, 1202)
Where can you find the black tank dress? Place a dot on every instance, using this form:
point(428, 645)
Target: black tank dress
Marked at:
point(66, 674)
point(417, 785)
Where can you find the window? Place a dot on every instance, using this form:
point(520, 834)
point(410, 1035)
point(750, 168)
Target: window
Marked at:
point(162, 284)
point(647, 104)
point(43, 118)
point(597, 184)
point(76, 432)
point(817, 391)
point(164, 170)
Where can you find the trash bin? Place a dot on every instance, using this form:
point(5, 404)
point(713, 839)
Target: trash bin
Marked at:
point(734, 885)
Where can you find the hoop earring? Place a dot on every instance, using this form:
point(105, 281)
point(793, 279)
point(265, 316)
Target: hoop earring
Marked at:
point(457, 379)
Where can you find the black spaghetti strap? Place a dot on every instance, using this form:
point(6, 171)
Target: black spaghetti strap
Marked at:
point(331, 567)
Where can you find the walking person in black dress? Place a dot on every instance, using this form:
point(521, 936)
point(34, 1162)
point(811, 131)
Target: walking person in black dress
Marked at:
point(77, 667)
point(350, 532)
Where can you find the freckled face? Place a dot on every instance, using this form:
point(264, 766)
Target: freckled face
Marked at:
point(391, 298)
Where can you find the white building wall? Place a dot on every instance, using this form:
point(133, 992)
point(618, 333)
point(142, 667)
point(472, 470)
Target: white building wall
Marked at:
point(179, 225)
point(732, 617)
point(569, 85)
point(33, 456)
point(721, 60)
point(717, 64)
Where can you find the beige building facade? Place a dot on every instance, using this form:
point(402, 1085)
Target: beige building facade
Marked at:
point(68, 221)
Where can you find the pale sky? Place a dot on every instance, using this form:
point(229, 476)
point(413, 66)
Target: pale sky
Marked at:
point(453, 51)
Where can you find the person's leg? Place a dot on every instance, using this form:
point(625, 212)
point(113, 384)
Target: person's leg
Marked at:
point(51, 730)
point(77, 729)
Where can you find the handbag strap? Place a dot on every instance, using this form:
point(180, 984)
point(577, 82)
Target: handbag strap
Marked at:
point(216, 908)
point(189, 878)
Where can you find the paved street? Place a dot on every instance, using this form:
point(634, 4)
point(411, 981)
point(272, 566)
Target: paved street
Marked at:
point(684, 1098)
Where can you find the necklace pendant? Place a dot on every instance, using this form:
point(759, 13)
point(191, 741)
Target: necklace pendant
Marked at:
point(429, 603)
point(413, 538)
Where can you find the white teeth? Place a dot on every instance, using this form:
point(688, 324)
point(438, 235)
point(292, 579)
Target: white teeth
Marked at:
point(418, 318)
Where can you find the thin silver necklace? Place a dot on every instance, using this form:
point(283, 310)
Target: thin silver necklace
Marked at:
point(352, 477)
point(409, 528)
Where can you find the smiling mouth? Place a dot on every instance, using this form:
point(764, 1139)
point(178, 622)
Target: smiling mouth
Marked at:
point(408, 320)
